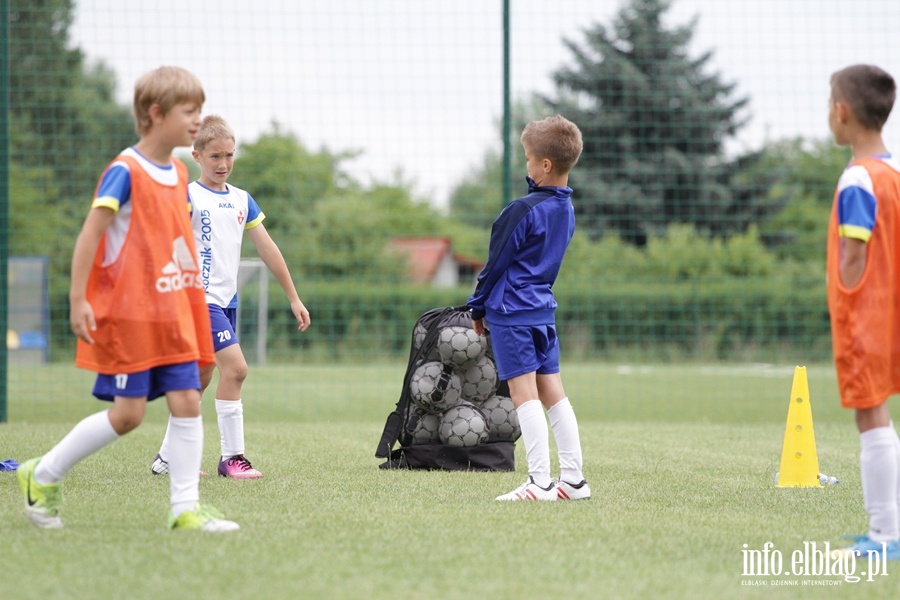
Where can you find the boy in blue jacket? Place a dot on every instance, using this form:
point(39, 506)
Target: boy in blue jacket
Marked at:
point(514, 298)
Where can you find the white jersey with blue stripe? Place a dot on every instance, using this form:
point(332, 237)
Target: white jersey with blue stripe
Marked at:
point(219, 220)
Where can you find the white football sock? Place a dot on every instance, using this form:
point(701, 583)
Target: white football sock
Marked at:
point(568, 442)
point(879, 465)
point(185, 457)
point(164, 447)
point(897, 453)
point(230, 414)
point(536, 437)
point(88, 436)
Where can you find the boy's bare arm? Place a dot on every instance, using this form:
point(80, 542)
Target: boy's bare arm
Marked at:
point(853, 261)
point(270, 254)
point(81, 314)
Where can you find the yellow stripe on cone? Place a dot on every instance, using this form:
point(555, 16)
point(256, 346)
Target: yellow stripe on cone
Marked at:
point(799, 462)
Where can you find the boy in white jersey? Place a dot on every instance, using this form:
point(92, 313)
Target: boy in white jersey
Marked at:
point(220, 215)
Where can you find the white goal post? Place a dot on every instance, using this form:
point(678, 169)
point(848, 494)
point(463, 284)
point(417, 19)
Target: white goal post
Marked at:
point(253, 275)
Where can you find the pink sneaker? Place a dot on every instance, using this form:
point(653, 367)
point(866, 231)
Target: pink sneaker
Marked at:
point(238, 467)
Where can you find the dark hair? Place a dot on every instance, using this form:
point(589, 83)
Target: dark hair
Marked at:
point(869, 92)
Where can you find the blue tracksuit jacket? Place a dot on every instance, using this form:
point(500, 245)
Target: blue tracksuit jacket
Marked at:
point(528, 242)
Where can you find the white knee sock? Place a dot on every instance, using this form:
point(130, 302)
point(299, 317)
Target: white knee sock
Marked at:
point(88, 436)
point(230, 414)
point(897, 453)
point(536, 437)
point(568, 442)
point(185, 456)
point(879, 465)
point(164, 447)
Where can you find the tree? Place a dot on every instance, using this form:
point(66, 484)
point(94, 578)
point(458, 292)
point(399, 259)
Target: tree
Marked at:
point(476, 201)
point(654, 122)
point(68, 111)
point(806, 174)
point(285, 175)
point(327, 224)
point(65, 127)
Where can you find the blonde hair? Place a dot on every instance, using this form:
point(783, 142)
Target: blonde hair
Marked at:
point(555, 138)
point(212, 128)
point(165, 86)
point(869, 92)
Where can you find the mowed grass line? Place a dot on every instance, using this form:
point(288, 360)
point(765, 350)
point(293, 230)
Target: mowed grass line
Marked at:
point(676, 496)
point(312, 393)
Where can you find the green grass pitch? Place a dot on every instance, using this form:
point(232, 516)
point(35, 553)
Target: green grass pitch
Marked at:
point(681, 459)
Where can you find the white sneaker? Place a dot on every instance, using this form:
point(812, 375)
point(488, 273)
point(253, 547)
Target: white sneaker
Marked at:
point(159, 466)
point(41, 501)
point(531, 491)
point(573, 491)
point(203, 518)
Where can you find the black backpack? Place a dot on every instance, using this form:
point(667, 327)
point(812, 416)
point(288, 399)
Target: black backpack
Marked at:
point(401, 423)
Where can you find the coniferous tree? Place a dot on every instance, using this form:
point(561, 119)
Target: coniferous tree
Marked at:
point(654, 121)
point(65, 126)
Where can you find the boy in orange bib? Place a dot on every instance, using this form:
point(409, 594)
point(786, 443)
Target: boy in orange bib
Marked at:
point(138, 308)
point(863, 269)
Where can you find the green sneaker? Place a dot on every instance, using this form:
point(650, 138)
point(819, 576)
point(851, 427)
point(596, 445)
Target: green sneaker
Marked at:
point(204, 518)
point(41, 501)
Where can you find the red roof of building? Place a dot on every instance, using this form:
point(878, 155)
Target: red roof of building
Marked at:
point(425, 255)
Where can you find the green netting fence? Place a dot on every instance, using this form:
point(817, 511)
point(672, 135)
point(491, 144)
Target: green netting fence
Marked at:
point(381, 139)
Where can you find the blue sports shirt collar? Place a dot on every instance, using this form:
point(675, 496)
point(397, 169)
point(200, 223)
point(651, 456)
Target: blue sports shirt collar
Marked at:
point(532, 186)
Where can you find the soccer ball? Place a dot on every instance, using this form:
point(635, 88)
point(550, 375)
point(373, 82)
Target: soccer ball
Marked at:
point(479, 381)
point(463, 425)
point(419, 333)
point(460, 346)
point(502, 418)
point(424, 427)
point(434, 387)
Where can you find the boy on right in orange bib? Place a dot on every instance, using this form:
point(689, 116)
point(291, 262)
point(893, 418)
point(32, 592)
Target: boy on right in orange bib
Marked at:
point(863, 273)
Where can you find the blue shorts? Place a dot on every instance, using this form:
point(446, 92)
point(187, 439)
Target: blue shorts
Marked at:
point(521, 349)
point(151, 383)
point(224, 326)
